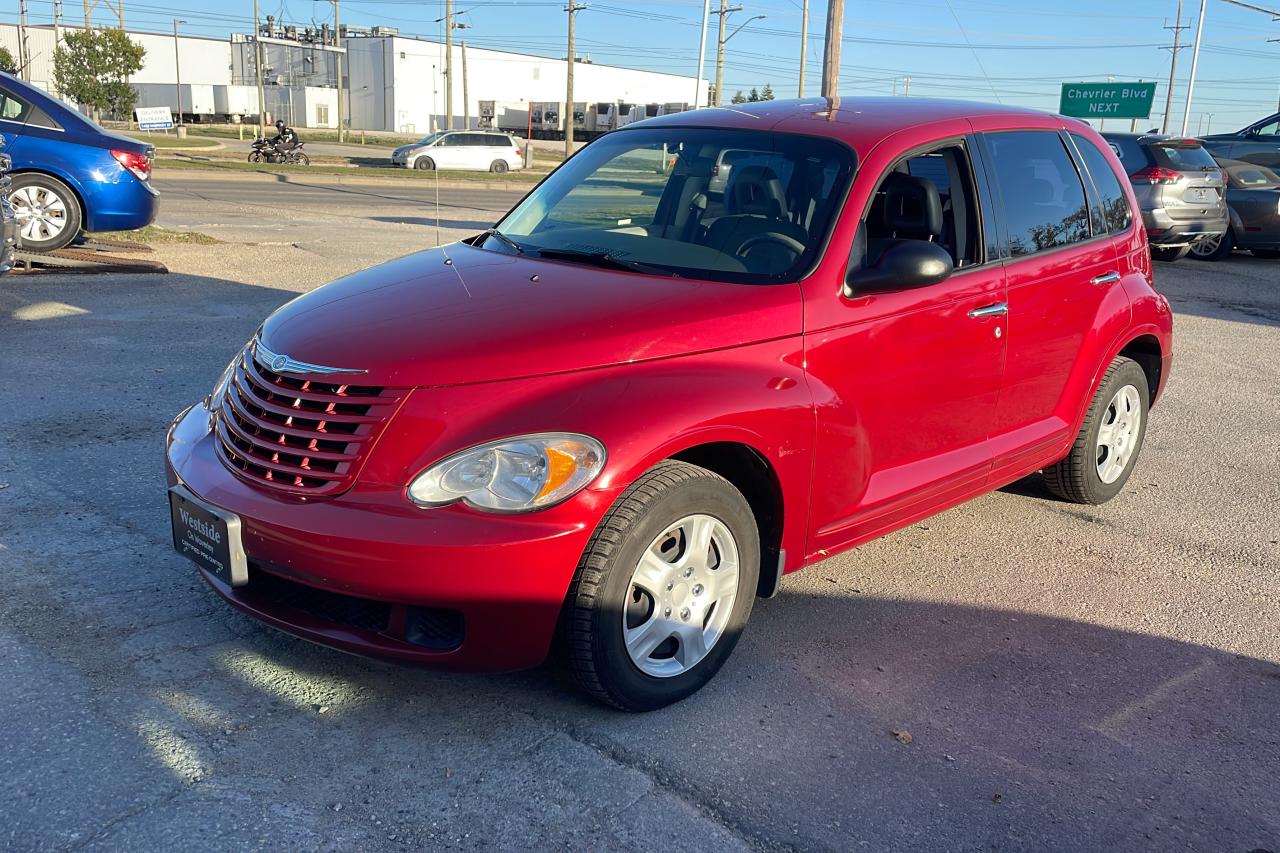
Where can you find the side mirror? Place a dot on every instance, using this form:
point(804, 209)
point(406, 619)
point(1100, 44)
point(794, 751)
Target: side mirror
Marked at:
point(904, 265)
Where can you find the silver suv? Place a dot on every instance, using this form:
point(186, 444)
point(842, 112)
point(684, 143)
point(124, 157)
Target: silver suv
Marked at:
point(1179, 188)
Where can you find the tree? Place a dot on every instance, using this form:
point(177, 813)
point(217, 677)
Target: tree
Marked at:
point(738, 98)
point(766, 94)
point(94, 69)
point(7, 63)
point(754, 96)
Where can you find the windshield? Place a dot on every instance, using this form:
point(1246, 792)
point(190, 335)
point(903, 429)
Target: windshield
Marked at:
point(669, 202)
point(427, 140)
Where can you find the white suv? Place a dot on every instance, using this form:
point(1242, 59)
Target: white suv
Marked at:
point(484, 151)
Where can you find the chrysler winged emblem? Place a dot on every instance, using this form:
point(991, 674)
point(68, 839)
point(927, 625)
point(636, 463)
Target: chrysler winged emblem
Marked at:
point(281, 363)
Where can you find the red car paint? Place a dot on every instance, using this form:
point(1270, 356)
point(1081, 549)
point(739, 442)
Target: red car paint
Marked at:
point(871, 411)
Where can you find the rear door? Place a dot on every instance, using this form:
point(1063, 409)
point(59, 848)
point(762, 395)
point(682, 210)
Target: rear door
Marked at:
point(1260, 144)
point(1061, 268)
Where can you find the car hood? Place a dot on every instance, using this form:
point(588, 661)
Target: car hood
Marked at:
point(459, 314)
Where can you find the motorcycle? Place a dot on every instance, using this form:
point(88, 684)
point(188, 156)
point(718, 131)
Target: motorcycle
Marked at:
point(266, 152)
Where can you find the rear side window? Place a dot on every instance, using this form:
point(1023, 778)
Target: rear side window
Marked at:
point(1183, 157)
point(17, 110)
point(1250, 175)
point(1114, 204)
point(1044, 201)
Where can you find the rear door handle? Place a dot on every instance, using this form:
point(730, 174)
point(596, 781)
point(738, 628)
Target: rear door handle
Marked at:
point(997, 310)
point(1106, 278)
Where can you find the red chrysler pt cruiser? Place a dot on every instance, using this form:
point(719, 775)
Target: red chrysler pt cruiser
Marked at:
point(710, 349)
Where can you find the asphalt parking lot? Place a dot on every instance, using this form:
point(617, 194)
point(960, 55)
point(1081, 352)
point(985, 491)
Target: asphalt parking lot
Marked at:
point(1071, 678)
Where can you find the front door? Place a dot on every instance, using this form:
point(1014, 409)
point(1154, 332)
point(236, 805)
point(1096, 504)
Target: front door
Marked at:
point(907, 382)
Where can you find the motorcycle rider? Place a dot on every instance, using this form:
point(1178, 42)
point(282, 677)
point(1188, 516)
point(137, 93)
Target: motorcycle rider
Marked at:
point(286, 138)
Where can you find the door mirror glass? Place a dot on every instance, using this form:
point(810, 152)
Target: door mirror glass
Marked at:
point(903, 265)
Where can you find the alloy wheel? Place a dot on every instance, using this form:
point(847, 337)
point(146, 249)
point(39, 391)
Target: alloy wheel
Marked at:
point(681, 596)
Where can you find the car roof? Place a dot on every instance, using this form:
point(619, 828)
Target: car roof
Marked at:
point(860, 121)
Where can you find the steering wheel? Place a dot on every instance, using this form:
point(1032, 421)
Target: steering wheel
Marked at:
point(770, 237)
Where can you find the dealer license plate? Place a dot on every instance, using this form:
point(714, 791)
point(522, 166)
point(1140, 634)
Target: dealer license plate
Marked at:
point(208, 536)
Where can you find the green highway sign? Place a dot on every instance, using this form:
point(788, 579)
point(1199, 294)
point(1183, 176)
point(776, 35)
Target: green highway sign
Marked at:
point(1107, 100)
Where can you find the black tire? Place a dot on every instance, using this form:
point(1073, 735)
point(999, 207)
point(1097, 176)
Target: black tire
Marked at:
point(1267, 254)
point(498, 166)
point(303, 160)
point(1076, 477)
point(255, 157)
point(1169, 254)
point(47, 188)
point(1220, 253)
point(591, 636)
point(424, 164)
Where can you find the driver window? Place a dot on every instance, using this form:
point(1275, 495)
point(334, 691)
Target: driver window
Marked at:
point(927, 196)
point(1271, 129)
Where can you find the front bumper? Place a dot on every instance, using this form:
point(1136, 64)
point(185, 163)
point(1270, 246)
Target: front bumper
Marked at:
point(503, 578)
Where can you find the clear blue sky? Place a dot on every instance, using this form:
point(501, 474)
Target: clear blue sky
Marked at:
point(1018, 53)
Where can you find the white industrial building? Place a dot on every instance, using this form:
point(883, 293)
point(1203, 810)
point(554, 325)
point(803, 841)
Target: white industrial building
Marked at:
point(392, 82)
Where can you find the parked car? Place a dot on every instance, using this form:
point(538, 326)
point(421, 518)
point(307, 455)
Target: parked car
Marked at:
point(613, 420)
point(70, 175)
point(467, 150)
point(1179, 188)
point(1258, 143)
point(1253, 203)
point(8, 220)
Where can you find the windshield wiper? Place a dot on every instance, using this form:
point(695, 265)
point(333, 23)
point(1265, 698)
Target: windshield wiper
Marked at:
point(606, 261)
point(503, 238)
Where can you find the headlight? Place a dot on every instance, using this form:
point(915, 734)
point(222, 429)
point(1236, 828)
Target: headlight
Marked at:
point(213, 402)
point(513, 475)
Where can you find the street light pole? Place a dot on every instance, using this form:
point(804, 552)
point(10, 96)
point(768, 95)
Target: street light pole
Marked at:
point(804, 46)
point(177, 71)
point(724, 39)
point(702, 53)
point(337, 42)
point(257, 70)
point(1195, 61)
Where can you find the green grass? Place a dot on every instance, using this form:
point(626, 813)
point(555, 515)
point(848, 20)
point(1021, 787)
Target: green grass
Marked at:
point(168, 164)
point(151, 234)
point(162, 140)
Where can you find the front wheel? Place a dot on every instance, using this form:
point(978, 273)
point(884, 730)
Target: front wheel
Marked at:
point(424, 164)
point(1107, 446)
point(302, 160)
point(1215, 248)
point(255, 157)
point(663, 590)
point(1169, 255)
point(48, 212)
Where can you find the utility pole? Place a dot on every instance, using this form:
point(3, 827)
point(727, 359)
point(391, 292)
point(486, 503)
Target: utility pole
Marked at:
point(177, 70)
point(804, 46)
point(57, 38)
point(724, 13)
point(24, 52)
point(448, 64)
point(337, 42)
point(702, 52)
point(116, 6)
point(466, 100)
point(1195, 61)
point(573, 9)
point(906, 87)
point(1177, 28)
point(831, 49)
point(257, 69)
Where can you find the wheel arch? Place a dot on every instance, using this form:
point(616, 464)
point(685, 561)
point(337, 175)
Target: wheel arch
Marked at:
point(751, 473)
point(1147, 352)
point(65, 179)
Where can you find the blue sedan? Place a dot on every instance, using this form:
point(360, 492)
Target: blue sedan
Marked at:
point(69, 175)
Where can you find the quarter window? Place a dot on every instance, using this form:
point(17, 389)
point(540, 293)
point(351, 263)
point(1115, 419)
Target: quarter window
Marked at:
point(1114, 204)
point(1044, 200)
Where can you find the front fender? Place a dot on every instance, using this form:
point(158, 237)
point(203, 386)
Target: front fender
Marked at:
point(644, 413)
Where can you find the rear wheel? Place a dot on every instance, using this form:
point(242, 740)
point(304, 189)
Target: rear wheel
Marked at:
point(498, 166)
point(48, 212)
point(1214, 248)
point(424, 164)
point(1171, 254)
point(1107, 446)
point(1269, 254)
point(663, 590)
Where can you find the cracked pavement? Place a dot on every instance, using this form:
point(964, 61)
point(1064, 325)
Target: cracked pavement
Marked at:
point(1073, 678)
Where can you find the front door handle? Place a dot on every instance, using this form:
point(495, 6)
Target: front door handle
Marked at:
point(997, 310)
point(1106, 278)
